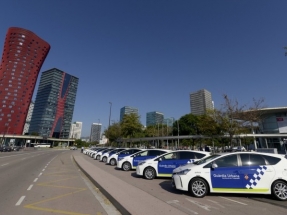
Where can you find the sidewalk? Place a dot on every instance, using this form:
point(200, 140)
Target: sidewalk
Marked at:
point(127, 198)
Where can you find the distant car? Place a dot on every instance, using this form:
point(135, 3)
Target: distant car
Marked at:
point(113, 159)
point(73, 148)
point(235, 172)
point(162, 166)
point(5, 149)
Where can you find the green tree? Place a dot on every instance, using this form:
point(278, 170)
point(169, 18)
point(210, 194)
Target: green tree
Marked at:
point(131, 126)
point(114, 132)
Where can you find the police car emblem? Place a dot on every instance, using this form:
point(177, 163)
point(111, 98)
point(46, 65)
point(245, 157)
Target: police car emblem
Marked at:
point(246, 177)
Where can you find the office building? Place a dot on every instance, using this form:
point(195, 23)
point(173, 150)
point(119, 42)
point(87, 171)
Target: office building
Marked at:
point(28, 118)
point(54, 104)
point(23, 55)
point(76, 130)
point(95, 132)
point(200, 102)
point(168, 121)
point(127, 110)
point(154, 118)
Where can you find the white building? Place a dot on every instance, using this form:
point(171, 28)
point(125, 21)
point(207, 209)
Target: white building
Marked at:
point(76, 130)
point(28, 118)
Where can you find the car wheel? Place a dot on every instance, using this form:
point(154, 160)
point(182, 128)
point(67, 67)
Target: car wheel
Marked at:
point(98, 157)
point(149, 173)
point(113, 162)
point(104, 159)
point(198, 187)
point(126, 166)
point(279, 190)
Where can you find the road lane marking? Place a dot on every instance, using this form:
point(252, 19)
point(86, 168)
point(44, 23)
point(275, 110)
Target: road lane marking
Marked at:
point(36, 179)
point(4, 164)
point(201, 205)
point(23, 158)
point(20, 201)
point(43, 170)
point(233, 200)
point(180, 207)
point(40, 174)
point(30, 187)
point(215, 203)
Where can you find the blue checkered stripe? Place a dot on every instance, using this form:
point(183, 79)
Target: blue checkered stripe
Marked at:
point(256, 177)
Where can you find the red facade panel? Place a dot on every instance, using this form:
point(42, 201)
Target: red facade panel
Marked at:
point(23, 55)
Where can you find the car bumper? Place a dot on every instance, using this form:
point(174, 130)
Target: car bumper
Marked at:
point(180, 182)
point(139, 170)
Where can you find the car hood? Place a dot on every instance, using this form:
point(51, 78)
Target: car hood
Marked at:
point(180, 168)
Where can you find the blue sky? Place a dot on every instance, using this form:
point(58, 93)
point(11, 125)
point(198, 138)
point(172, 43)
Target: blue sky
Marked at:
point(151, 54)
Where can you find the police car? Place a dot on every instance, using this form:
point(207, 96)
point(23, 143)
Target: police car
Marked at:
point(237, 172)
point(112, 160)
point(104, 156)
point(99, 153)
point(130, 162)
point(162, 166)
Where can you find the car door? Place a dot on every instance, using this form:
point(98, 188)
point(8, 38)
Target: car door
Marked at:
point(167, 163)
point(224, 174)
point(257, 172)
point(147, 155)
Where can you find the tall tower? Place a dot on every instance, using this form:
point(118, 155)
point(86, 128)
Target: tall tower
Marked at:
point(128, 110)
point(54, 104)
point(200, 102)
point(95, 132)
point(154, 118)
point(23, 55)
point(76, 130)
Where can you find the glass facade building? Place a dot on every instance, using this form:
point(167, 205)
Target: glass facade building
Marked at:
point(95, 132)
point(23, 55)
point(127, 110)
point(54, 104)
point(154, 118)
point(200, 102)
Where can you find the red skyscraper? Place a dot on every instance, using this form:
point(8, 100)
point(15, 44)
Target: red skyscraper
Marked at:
point(23, 55)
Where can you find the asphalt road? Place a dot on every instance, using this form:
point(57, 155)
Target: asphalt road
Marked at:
point(183, 201)
point(47, 182)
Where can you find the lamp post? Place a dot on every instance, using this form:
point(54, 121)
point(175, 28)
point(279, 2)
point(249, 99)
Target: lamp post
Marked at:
point(177, 133)
point(110, 113)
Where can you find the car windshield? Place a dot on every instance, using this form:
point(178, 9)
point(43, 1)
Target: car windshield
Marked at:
point(206, 159)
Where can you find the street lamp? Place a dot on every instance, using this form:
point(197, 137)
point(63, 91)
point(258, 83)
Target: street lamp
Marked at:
point(110, 114)
point(177, 134)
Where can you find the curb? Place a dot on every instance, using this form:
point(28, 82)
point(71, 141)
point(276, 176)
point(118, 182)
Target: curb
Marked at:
point(117, 205)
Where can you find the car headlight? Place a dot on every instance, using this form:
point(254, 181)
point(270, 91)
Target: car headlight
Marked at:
point(141, 163)
point(183, 172)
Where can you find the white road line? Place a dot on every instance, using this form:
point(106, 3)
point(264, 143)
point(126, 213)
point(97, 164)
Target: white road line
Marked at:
point(30, 187)
point(4, 164)
point(201, 205)
point(36, 179)
point(40, 174)
point(233, 200)
point(43, 170)
point(178, 206)
point(20, 201)
point(215, 203)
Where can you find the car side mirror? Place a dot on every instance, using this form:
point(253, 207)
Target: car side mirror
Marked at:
point(214, 165)
point(160, 159)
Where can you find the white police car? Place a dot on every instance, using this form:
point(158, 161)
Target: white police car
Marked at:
point(237, 172)
point(162, 166)
point(112, 160)
point(104, 156)
point(130, 162)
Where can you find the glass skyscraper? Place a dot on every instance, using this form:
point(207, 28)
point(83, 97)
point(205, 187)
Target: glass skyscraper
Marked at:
point(127, 110)
point(54, 104)
point(154, 118)
point(200, 102)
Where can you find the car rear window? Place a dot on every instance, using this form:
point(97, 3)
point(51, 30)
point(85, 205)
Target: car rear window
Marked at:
point(271, 160)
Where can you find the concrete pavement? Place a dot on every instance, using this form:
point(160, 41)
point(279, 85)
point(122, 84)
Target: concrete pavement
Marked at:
point(125, 197)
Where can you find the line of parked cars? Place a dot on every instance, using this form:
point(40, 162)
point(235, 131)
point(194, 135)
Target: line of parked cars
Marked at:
point(201, 172)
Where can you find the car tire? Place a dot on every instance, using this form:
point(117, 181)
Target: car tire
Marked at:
point(98, 157)
point(104, 159)
point(113, 162)
point(198, 187)
point(279, 190)
point(149, 173)
point(126, 166)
